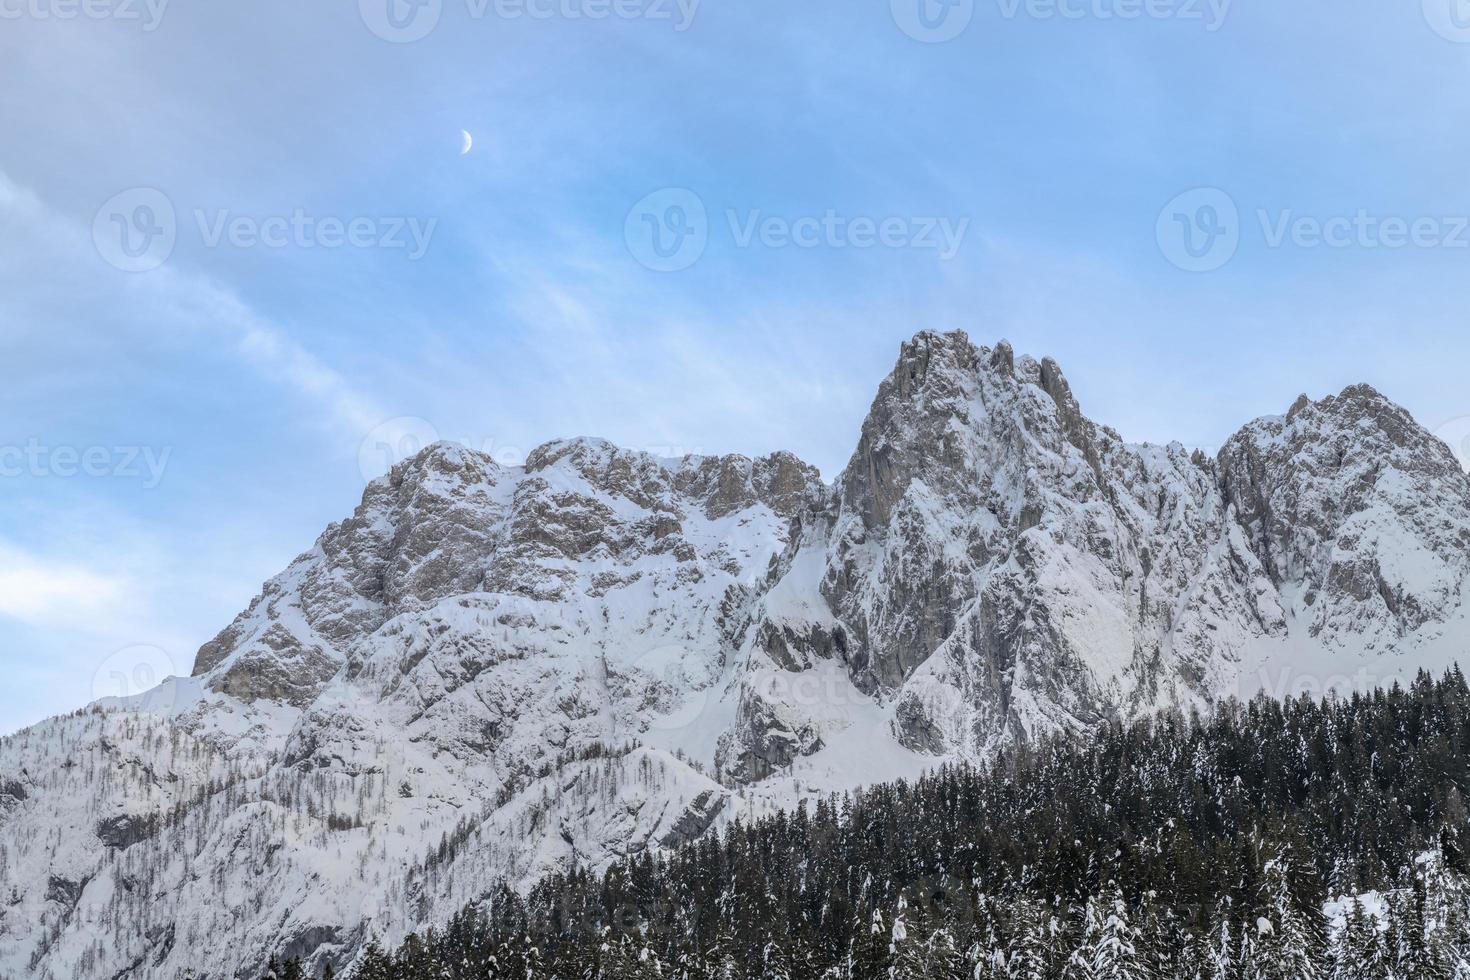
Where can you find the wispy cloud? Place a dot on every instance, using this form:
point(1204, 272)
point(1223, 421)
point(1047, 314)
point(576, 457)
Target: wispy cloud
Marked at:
point(265, 370)
point(56, 273)
point(43, 592)
point(90, 566)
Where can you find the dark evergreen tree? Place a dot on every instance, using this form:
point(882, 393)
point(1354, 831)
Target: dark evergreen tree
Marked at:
point(1115, 954)
point(944, 957)
point(1198, 848)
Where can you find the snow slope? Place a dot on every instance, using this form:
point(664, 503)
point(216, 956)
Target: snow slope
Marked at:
point(486, 672)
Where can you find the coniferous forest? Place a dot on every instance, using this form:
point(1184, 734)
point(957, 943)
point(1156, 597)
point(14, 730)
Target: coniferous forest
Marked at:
point(1265, 841)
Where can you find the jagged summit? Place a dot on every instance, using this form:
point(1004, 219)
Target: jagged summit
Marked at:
point(604, 652)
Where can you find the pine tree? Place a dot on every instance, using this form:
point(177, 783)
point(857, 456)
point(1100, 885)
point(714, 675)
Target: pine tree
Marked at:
point(776, 961)
point(375, 964)
point(1454, 902)
point(644, 964)
point(1397, 937)
point(1291, 948)
point(1115, 955)
point(870, 959)
point(945, 961)
point(1352, 949)
point(1080, 957)
point(1248, 962)
point(725, 968)
point(905, 947)
point(1353, 792)
point(986, 956)
point(1029, 944)
point(1220, 960)
point(1189, 957)
point(1431, 957)
point(1376, 958)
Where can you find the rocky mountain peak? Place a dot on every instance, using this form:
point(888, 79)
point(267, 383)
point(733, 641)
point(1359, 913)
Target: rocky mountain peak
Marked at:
point(932, 385)
point(607, 651)
point(949, 407)
point(1363, 512)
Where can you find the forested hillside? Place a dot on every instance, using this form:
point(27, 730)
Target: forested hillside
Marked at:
point(1170, 848)
point(710, 639)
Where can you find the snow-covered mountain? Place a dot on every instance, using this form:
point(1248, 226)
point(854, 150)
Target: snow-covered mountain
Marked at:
point(486, 672)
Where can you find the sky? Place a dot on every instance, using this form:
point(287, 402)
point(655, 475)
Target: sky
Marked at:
point(248, 256)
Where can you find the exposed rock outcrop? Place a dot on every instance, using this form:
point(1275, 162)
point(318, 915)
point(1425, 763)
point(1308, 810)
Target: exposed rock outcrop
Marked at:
point(604, 652)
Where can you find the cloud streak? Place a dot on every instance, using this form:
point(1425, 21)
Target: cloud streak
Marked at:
point(39, 591)
point(164, 302)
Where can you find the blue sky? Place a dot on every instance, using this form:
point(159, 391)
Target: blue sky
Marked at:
point(825, 178)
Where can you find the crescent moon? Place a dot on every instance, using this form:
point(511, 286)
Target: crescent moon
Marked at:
point(467, 142)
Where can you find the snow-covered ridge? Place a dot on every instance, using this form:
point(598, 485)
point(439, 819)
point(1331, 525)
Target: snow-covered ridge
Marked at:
point(604, 651)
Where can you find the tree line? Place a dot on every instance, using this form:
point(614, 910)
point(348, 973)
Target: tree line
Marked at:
point(1270, 840)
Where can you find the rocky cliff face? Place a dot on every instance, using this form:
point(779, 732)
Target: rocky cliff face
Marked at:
point(486, 672)
point(1356, 513)
point(993, 564)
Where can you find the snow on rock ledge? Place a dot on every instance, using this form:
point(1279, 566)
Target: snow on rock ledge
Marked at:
point(486, 672)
